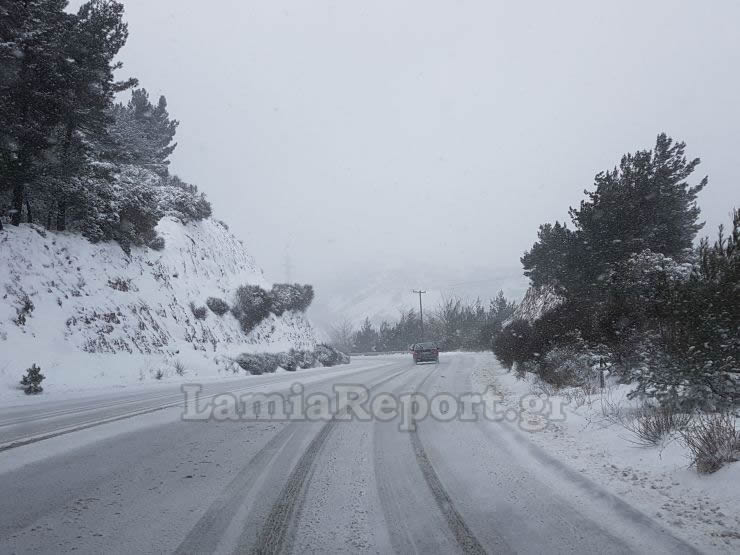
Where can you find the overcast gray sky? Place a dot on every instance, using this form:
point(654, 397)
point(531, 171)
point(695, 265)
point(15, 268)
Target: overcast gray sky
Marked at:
point(356, 133)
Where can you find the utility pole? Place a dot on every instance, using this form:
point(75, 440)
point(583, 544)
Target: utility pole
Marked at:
point(421, 313)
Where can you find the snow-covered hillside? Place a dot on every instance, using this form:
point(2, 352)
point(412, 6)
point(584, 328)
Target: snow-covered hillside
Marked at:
point(61, 296)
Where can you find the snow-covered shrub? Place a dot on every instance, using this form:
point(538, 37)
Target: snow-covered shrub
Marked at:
point(25, 310)
point(120, 284)
point(200, 312)
point(305, 359)
point(288, 361)
point(565, 366)
point(217, 306)
point(290, 296)
point(252, 304)
point(125, 208)
point(713, 441)
point(182, 200)
point(257, 364)
point(652, 424)
point(691, 348)
point(329, 356)
point(31, 382)
point(158, 374)
point(157, 244)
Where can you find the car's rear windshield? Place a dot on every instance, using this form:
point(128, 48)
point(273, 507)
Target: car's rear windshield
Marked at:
point(427, 345)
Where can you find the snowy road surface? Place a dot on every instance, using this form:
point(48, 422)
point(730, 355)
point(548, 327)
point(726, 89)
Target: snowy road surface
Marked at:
point(124, 474)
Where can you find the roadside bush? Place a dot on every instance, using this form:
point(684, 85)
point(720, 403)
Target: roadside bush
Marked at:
point(31, 382)
point(713, 441)
point(252, 304)
point(258, 364)
point(218, 306)
point(288, 361)
point(515, 343)
point(305, 359)
point(651, 425)
point(200, 312)
point(566, 366)
point(329, 356)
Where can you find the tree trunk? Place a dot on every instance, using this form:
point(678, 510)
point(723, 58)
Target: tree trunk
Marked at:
point(17, 204)
point(28, 210)
point(62, 216)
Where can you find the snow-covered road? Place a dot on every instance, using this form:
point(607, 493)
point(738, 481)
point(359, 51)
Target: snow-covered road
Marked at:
point(128, 475)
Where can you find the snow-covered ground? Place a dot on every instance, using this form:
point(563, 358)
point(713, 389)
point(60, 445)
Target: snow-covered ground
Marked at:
point(93, 317)
point(658, 480)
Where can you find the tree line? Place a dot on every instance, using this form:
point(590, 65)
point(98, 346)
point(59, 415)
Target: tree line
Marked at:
point(635, 289)
point(71, 157)
point(455, 324)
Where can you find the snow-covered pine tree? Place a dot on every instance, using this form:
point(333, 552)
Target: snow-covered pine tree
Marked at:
point(32, 58)
point(144, 133)
point(92, 42)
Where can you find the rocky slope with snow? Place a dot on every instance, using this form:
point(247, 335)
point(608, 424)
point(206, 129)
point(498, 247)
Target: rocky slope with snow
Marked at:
point(536, 302)
point(62, 297)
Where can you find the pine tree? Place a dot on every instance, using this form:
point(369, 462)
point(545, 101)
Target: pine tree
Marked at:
point(32, 58)
point(645, 204)
point(555, 259)
point(91, 44)
point(143, 133)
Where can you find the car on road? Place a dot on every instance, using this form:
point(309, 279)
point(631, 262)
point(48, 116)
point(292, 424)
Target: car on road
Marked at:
point(427, 351)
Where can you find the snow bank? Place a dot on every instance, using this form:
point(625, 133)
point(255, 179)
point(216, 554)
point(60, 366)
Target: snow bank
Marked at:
point(81, 310)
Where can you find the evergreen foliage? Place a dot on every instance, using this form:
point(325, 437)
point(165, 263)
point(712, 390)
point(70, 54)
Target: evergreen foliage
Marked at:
point(70, 158)
point(666, 313)
point(31, 382)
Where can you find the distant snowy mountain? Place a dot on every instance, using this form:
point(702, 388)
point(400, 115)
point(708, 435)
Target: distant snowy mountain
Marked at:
point(380, 296)
point(61, 295)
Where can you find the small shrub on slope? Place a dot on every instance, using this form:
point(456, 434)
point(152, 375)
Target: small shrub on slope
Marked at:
point(290, 296)
point(200, 312)
point(217, 306)
point(31, 382)
point(252, 304)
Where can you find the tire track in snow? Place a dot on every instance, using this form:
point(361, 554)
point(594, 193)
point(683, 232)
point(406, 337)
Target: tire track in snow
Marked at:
point(212, 526)
point(464, 536)
point(210, 529)
point(278, 532)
